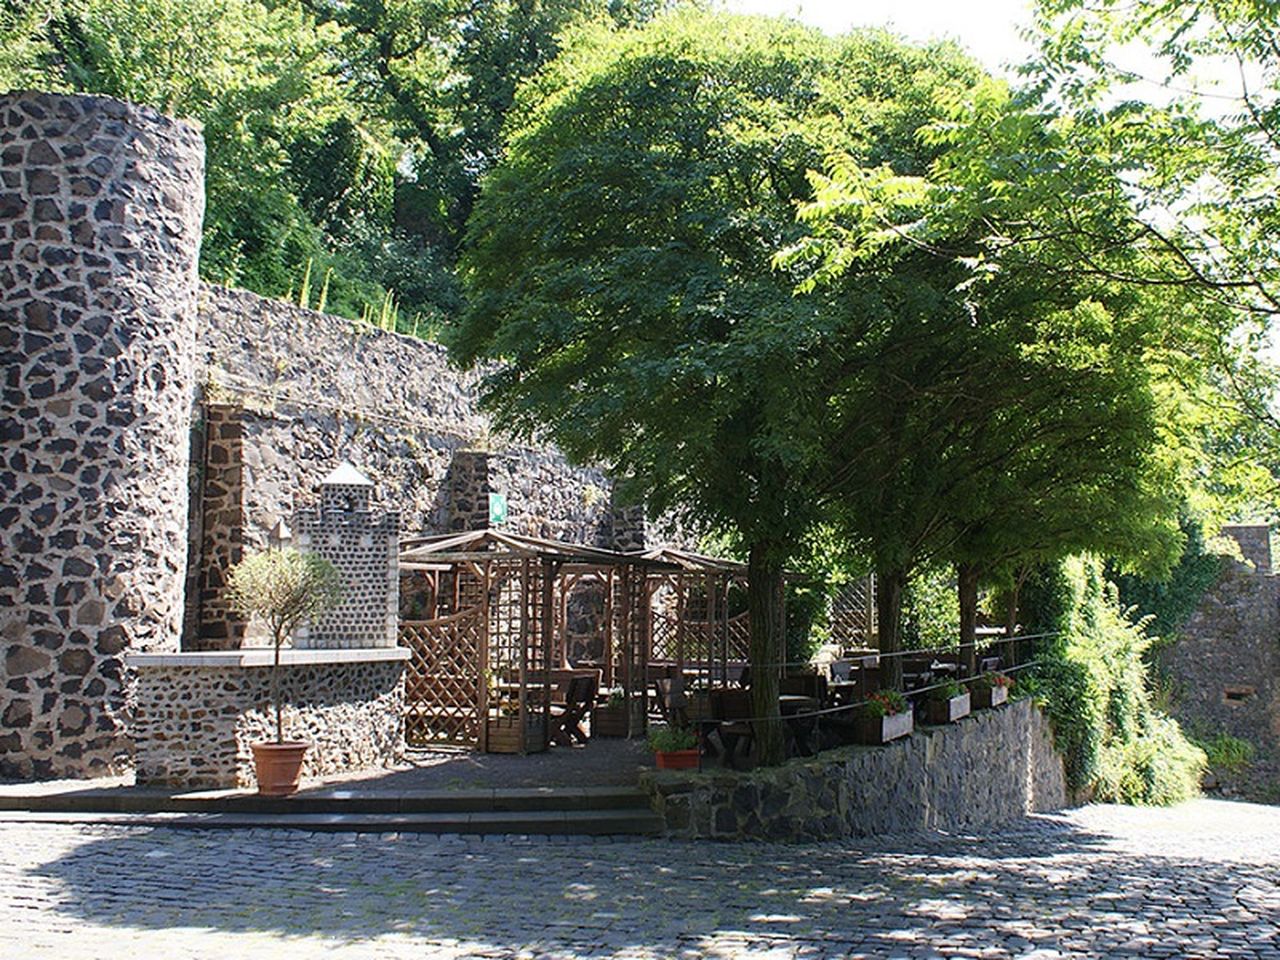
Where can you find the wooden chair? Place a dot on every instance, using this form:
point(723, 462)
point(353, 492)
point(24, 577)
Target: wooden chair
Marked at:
point(671, 701)
point(732, 709)
point(567, 717)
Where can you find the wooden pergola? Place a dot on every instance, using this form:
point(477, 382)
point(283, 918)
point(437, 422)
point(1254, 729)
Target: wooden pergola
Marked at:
point(492, 638)
point(699, 629)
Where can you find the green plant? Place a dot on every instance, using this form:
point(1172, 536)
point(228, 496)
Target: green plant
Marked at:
point(947, 690)
point(617, 697)
point(884, 703)
point(1092, 680)
point(1226, 752)
point(667, 739)
point(989, 680)
point(285, 588)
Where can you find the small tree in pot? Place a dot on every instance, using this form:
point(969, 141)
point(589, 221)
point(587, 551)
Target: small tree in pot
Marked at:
point(285, 588)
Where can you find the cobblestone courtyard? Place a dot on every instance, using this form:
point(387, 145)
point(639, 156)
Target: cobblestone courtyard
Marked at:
point(1202, 880)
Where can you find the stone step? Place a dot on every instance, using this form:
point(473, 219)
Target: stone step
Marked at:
point(325, 800)
point(628, 822)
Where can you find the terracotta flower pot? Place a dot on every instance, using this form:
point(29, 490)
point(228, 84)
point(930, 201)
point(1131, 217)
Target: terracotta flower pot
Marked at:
point(677, 759)
point(278, 766)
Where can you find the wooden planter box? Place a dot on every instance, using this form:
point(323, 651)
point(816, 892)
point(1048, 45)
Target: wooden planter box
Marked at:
point(984, 698)
point(945, 711)
point(609, 721)
point(880, 730)
point(505, 736)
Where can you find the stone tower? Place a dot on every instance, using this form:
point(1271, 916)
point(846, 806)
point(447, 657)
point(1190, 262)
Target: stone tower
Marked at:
point(364, 546)
point(101, 205)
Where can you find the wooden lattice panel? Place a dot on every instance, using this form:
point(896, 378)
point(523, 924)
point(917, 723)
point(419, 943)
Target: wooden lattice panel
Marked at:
point(442, 678)
point(853, 613)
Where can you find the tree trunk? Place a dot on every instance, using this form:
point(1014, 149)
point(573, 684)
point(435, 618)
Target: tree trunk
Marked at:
point(275, 688)
point(889, 584)
point(967, 580)
point(768, 649)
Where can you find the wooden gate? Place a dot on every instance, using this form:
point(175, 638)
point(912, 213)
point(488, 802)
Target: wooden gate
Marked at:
point(443, 677)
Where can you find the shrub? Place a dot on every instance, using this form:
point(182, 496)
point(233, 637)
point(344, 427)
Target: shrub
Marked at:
point(1226, 752)
point(1093, 683)
point(668, 739)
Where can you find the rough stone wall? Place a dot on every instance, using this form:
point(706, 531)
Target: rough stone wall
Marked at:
point(1225, 670)
point(194, 725)
point(990, 768)
point(100, 217)
point(313, 389)
point(1255, 543)
point(545, 496)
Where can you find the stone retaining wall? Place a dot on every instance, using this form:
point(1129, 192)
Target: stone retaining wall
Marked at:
point(194, 724)
point(992, 767)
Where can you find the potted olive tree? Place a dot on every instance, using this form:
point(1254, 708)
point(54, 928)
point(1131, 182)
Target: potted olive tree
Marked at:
point(284, 588)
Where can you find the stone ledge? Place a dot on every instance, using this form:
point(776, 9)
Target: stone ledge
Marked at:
point(263, 657)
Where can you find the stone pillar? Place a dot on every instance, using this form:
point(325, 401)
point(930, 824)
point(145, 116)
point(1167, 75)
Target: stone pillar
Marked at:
point(222, 527)
point(101, 205)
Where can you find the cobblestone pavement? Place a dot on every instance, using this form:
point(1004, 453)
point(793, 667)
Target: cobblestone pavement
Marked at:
point(1201, 880)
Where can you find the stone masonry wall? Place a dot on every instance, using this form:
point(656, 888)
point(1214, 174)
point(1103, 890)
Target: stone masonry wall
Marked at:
point(1225, 673)
point(310, 390)
point(100, 217)
point(194, 725)
point(990, 768)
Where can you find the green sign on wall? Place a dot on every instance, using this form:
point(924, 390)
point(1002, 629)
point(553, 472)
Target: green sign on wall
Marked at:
point(497, 509)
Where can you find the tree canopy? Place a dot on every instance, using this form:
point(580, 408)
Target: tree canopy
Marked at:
point(622, 269)
point(345, 140)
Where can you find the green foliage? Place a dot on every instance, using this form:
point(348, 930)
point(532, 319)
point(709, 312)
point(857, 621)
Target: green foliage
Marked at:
point(808, 616)
point(665, 739)
point(285, 588)
point(1170, 601)
point(1093, 683)
point(1225, 752)
point(930, 610)
point(1184, 100)
point(884, 703)
point(348, 135)
point(946, 690)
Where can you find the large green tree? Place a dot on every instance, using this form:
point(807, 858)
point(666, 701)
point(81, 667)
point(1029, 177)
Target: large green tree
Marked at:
point(1015, 406)
point(621, 270)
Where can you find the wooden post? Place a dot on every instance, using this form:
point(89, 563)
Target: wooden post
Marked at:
point(608, 627)
point(549, 575)
point(627, 641)
point(484, 649)
point(524, 649)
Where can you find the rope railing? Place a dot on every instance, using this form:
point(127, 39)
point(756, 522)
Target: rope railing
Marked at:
point(915, 652)
point(910, 695)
